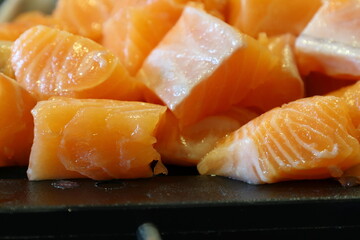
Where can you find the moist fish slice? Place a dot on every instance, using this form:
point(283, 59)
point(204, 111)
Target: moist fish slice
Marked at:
point(311, 138)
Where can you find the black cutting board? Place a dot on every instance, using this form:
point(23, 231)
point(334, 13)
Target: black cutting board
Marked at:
point(182, 206)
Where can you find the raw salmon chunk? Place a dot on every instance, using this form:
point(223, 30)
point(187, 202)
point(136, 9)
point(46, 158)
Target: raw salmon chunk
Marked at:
point(85, 16)
point(284, 80)
point(16, 134)
point(203, 66)
point(274, 17)
point(186, 146)
point(330, 42)
point(136, 27)
point(95, 138)
point(311, 138)
point(50, 62)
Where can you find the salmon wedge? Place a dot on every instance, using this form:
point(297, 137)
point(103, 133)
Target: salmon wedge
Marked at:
point(203, 66)
point(5, 59)
point(310, 138)
point(351, 95)
point(16, 135)
point(284, 80)
point(187, 146)
point(49, 62)
point(85, 16)
point(94, 138)
point(274, 17)
point(330, 42)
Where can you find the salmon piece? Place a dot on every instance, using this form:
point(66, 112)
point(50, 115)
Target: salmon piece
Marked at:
point(49, 62)
point(85, 16)
point(94, 138)
point(5, 57)
point(136, 27)
point(274, 17)
point(310, 138)
point(321, 84)
point(351, 95)
point(187, 146)
point(203, 66)
point(334, 49)
point(284, 76)
point(11, 31)
point(16, 134)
